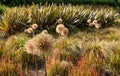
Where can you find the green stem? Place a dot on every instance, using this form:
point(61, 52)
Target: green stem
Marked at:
point(36, 66)
point(45, 65)
point(96, 36)
point(33, 34)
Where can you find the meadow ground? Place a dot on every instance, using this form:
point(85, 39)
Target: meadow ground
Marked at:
point(78, 50)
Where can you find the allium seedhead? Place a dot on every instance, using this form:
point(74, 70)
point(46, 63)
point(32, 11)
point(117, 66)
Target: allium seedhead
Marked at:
point(97, 26)
point(91, 24)
point(39, 44)
point(43, 42)
point(34, 26)
point(95, 22)
point(89, 21)
point(60, 21)
point(25, 30)
point(29, 30)
point(45, 32)
point(60, 28)
point(64, 64)
point(65, 32)
point(29, 46)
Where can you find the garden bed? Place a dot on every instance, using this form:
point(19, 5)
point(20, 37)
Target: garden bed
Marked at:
point(60, 40)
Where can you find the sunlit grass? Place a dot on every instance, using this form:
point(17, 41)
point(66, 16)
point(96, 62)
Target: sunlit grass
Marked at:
point(90, 51)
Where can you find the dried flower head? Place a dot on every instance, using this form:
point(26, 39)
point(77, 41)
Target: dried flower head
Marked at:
point(45, 32)
point(34, 26)
point(29, 30)
point(60, 28)
point(60, 21)
point(29, 46)
point(25, 30)
point(91, 24)
point(39, 44)
point(64, 64)
point(43, 42)
point(97, 26)
point(95, 22)
point(65, 32)
point(89, 21)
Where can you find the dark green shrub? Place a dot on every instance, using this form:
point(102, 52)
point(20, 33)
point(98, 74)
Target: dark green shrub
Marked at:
point(1, 9)
point(96, 2)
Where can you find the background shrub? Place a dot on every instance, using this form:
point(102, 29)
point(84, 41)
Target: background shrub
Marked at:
point(96, 2)
point(1, 9)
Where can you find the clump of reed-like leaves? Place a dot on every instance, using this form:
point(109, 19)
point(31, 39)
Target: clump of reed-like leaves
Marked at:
point(16, 19)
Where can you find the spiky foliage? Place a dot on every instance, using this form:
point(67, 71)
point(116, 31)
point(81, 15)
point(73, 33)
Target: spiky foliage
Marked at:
point(29, 61)
point(1, 47)
point(13, 20)
point(14, 42)
point(1, 9)
point(61, 43)
point(114, 35)
point(10, 62)
point(10, 67)
point(86, 67)
point(116, 62)
point(99, 49)
point(46, 16)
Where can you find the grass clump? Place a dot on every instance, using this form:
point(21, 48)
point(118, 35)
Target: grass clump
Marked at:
point(1, 9)
point(59, 69)
point(90, 52)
